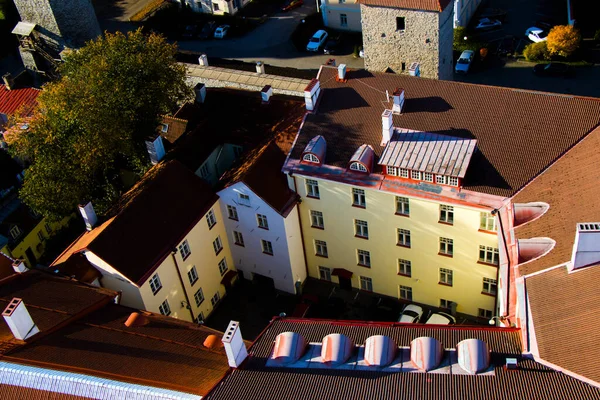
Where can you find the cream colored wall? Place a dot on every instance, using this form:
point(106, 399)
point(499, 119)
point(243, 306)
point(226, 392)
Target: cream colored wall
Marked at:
point(332, 11)
point(339, 215)
point(295, 246)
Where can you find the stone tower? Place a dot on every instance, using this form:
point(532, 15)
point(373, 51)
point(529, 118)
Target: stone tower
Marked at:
point(397, 33)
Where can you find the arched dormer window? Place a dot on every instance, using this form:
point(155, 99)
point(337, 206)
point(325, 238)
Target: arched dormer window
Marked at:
point(356, 166)
point(314, 152)
point(362, 159)
point(311, 158)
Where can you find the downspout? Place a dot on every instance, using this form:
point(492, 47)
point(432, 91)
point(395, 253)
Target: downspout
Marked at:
point(496, 212)
point(187, 299)
point(300, 225)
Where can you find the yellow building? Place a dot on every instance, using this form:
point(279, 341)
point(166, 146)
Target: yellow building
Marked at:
point(165, 249)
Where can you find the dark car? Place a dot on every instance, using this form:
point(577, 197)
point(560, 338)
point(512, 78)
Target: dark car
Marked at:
point(208, 30)
point(333, 45)
point(190, 32)
point(552, 69)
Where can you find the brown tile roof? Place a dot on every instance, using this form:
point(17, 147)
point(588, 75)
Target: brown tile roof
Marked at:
point(24, 393)
point(78, 267)
point(563, 309)
point(6, 268)
point(531, 381)
point(177, 127)
point(519, 132)
point(570, 187)
point(427, 5)
point(152, 218)
point(81, 243)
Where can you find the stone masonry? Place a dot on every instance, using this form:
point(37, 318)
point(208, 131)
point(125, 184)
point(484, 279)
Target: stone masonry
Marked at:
point(426, 39)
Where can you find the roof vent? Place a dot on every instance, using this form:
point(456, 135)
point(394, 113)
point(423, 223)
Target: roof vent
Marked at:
point(473, 355)
point(511, 363)
point(414, 69)
point(336, 349)
point(379, 351)
point(589, 227)
point(200, 91)
point(235, 348)
point(136, 319)
point(289, 347)
point(156, 149)
point(18, 320)
point(426, 353)
point(341, 76)
point(398, 101)
point(9, 81)
point(266, 94)
point(260, 68)
point(89, 215)
point(203, 60)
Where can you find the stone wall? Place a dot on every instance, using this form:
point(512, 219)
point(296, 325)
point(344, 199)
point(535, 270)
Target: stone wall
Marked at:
point(446, 63)
point(39, 12)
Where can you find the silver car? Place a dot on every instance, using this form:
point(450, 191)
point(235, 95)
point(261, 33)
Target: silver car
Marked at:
point(411, 314)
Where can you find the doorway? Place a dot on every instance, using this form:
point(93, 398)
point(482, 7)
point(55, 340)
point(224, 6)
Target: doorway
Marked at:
point(31, 257)
point(345, 283)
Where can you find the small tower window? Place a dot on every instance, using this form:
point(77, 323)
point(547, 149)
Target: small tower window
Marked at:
point(400, 23)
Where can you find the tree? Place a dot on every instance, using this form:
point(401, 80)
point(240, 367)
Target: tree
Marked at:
point(563, 40)
point(92, 122)
point(536, 51)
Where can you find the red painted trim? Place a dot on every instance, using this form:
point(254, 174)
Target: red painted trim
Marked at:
point(403, 245)
point(445, 255)
point(488, 294)
point(239, 244)
point(358, 206)
point(318, 227)
point(313, 197)
point(446, 223)
point(269, 254)
point(363, 265)
point(488, 232)
point(262, 227)
point(361, 237)
point(402, 215)
point(408, 276)
point(233, 219)
point(319, 255)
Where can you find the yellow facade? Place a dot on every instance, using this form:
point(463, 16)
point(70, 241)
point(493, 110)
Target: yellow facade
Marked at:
point(425, 230)
point(343, 16)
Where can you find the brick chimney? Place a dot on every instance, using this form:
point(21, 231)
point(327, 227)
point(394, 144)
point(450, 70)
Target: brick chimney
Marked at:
point(311, 94)
point(235, 348)
point(387, 122)
point(18, 320)
point(89, 215)
point(398, 101)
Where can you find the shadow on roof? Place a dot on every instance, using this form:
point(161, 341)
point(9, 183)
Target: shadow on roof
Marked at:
point(344, 98)
point(485, 174)
point(433, 104)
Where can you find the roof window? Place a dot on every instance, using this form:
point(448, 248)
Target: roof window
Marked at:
point(362, 159)
point(314, 152)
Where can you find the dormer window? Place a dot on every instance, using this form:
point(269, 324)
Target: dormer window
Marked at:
point(314, 152)
point(362, 159)
point(311, 158)
point(416, 175)
point(358, 167)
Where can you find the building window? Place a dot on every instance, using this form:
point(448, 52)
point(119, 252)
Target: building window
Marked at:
point(325, 273)
point(392, 171)
point(262, 221)
point(15, 232)
point(406, 293)
point(403, 173)
point(452, 181)
point(446, 246)
point(199, 297)
point(48, 228)
point(217, 245)
point(316, 218)
point(364, 258)
point(244, 199)
point(490, 286)
point(238, 238)
point(342, 1)
point(232, 213)
point(446, 276)
point(358, 198)
point(267, 247)
point(416, 175)
point(428, 176)
point(361, 229)
point(440, 179)
point(403, 237)
point(355, 166)
point(184, 250)
point(41, 236)
point(210, 219)
point(312, 188)
point(223, 266)
point(193, 275)
point(321, 248)
point(164, 308)
point(488, 255)
point(446, 214)
point(400, 23)
point(404, 267)
point(487, 314)
point(164, 128)
point(487, 222)
point(200, 318)
point(445, 304)
point(343, 20)
point(366, 284)
point(155, 284)
point(402, 206)
point(204, 171)
point(311, 158)
point(215, 6)
point(215, 299)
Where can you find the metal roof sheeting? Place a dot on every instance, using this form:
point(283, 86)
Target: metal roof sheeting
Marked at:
point(429, 152)
point(380, 350)
point(23, 28)
point(12, 100)
point(426, 353)
point(336, 348)
point(289, 347)
point(473, 355)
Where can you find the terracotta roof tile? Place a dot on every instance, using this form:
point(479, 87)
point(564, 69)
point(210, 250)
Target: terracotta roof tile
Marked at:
point(427, 5)
point(12, 100)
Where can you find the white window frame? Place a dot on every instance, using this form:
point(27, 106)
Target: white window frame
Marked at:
point(361, 229)
point(232, 213)
point(48, 228)
point(164, 128)
point(211, 220)
point(15, 232)
point(364, 258)
point(356, 166)
point(447, 214)
point(490, 286)
point(267, 247)
point(155, 284)
point(446, 246)
point(244, 199)
point(184, 250)
point(489, 255)
point(316, 219)
point(343, 20)
point(223, 268)
point(402, 205)
point(440, 179)
point(403, 173)
point(311, 158)
point(366, 283)
point(415, 175)
point(262, 221)
point(404, 267)
point(165, 308)
point(192, 275)
point(393, 171)
point(312, 188)
point(41, 236)
point(403, 237)
point(238, 238)
point(325, 273)
point(483, 313)
point(452, 181)
point(199, 297)
point(487, 222)
point(446, 276)
point(405, 292)
point(444, 303)
point(217, 245)
point(321, 248)
point(215, 299)
point(427, 176)
point(359, 197)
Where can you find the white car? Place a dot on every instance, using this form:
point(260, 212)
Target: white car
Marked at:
point(221, 31)
point(411, 314)
point(317, 40)
point(440, 318)
point(464, 62)
point(486, 23)
point(536, 35)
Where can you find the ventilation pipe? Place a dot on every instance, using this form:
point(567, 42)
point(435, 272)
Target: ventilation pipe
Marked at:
point(311, 94)
point(235, 348)
point(18, 320)
point(266, 94)
point(200, 90)
point(387, 122)
point(203, 60)
point(398, 101)
point(341, 76)
point(19, 266)
point(414, 69)
point(156, 149)
point(89, 215)
point(260, 68)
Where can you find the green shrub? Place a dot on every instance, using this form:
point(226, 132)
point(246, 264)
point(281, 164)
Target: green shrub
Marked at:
point(597, 36)
point(536, 51)
point(459, 38)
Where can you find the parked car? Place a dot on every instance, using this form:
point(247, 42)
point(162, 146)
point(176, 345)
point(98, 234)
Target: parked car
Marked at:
point(207, 30)
point(221, 31)
point(487, 24)
point(290, 5)
point(190, 32)
point(333, 44)
point(441, 318)
point(536, 35)
point(411, 314)
point(552, 69)
point(464, 62)
point(317, 41)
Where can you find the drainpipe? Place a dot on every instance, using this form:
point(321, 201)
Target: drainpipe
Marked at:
point(187, 299)
point(496, 212)
point(300, 225)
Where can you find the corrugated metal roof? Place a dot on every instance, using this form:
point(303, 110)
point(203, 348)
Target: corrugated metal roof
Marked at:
point(12, 100)
point(23, 28)
point(429, 152)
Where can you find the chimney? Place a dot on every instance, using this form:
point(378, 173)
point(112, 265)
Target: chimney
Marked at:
point(398, 101)
point(18, 320)
point(200, 90)
point(89, 215)
point(9, 82)
point(341, 76)
point(414, 69)
point(156, 150)
point(203, 60)
point(260, 68)
point(234, 345)
point(19, 266)
point(511, 364)
point(387, 122)
point(266, 94)
point(311, 94)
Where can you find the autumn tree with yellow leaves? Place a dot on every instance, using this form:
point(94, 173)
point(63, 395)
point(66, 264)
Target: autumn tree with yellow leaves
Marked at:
point(563, 40)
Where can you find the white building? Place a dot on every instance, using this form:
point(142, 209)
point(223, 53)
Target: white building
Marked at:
point(217, 7)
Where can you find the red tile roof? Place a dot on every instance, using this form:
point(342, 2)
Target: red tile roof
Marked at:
point(427, 5)
point(12, 100)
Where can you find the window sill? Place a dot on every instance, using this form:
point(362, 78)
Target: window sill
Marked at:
point(406, 275)
point(211, 226)
point(402, 215)
point(363, 265)
point(269, 254)
point(233, 219)
point(407, 246)
point(239, 244)
point(313, 197)
point(155, 293)
point(318, 227)
point(361, 237)
point(488, 232)
point(488, 294)
point(193, 283)
point(445, 255)
point(218, 252)
point(445, 223)
point(186, 257)
point(359, 206)
point(262, 227)
point(444, 284)
point(488, 264)
point(320, 255)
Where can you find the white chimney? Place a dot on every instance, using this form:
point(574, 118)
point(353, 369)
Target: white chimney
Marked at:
point(235, 348)
point(19, 266)
point(414, 69)
point(18, 320)
point(89, 215)
point(200, 90)
point(9, 82)
point(387, 122)
point(156, 149)
point(341, 73)
point(203, 60)
point(398, 101)
point(511, 363)
point(311, 94)
point(260, 68)
point(266, 94)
